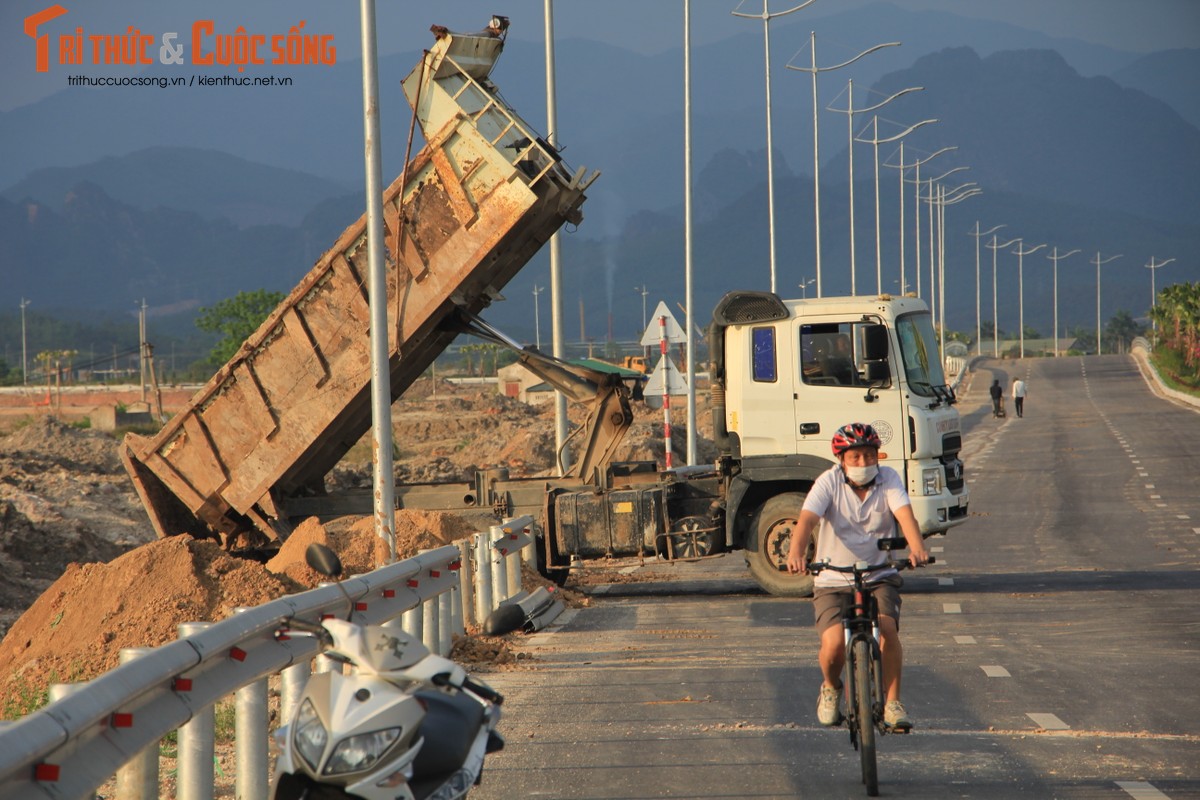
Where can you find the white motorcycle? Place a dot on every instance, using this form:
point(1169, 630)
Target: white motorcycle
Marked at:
point(404, 725)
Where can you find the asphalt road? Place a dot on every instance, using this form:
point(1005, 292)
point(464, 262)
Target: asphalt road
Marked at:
point(1053, 653)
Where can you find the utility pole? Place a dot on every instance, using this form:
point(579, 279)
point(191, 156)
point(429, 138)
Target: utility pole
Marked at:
point(558, 346)
point(142, 347)
point(978, 323)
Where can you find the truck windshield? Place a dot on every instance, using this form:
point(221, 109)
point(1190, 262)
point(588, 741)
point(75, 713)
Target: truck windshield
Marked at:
point(919, 351)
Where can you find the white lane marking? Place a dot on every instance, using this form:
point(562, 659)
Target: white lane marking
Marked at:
point(1182, 516)
point(952, 608)
point(995, 671)
point(950, 581)
point(1156, 497)
point(1195, 530)
point(937, 549)
point(1149, 485)
point(964, 640)
point(1048, 722)
point(1140, 790)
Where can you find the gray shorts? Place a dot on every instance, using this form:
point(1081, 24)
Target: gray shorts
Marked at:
point(831, 602)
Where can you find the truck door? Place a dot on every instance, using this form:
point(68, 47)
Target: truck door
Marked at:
point(831, 384)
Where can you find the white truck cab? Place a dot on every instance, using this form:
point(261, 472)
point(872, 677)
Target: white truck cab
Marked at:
point(791, 372)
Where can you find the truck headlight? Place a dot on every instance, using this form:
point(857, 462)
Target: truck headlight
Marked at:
point(360, 752)
point(931, 480)
point(310, 736)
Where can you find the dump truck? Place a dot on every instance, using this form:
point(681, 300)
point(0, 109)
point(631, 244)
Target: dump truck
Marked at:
point(246, 460)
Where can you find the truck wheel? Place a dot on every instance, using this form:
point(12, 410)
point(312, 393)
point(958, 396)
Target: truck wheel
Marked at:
point(772, 529)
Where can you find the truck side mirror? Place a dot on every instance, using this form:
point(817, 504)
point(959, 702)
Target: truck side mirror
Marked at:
point(875, 343)
point(877, 372)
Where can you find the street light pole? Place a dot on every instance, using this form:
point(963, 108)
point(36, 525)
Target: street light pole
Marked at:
point(537, 327)
point(1098, 263)
point(1054, 256)
point(804, 288)
point(875, 141)
point(978, 322)
point(995, 248)
point(766, 18)
point(1021, 253)
point(1153, 293)
point(916, 210)
point(24, 357)
point(813, 69)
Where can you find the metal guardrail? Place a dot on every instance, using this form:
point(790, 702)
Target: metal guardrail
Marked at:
point(114, 722)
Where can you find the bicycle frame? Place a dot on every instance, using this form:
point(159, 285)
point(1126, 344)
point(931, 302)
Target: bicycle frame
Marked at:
point(860, 622)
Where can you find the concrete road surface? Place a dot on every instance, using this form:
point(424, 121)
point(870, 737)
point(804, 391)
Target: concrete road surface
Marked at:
point(1053, 653)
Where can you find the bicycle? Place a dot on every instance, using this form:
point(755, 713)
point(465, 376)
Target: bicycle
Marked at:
point(864, 661)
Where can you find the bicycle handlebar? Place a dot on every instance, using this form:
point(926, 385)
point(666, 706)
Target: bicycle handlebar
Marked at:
point(817, 566)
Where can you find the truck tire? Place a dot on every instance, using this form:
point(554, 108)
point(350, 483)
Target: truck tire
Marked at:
point(767, 552)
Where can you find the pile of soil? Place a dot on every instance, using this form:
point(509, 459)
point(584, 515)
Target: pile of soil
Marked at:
point(84, 575)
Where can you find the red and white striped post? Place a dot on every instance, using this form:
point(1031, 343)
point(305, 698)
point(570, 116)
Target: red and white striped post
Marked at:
point(664, 348)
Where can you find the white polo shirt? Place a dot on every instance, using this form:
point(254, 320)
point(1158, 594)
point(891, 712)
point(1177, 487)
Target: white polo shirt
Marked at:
point(851, 527)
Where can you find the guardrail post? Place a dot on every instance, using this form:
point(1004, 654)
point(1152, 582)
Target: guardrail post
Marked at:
point(413, 623)
point(196, 743)
point(250, 739)
point(58, 691)
point(499, 567)
point(445, 604)
point(466, 586)
point(483, 576)
point(138, 779)
point(292, 683)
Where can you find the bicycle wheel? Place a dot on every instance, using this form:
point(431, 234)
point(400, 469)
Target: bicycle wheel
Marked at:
point(865, 713)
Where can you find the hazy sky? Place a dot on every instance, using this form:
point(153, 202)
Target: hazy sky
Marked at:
point(643, 25)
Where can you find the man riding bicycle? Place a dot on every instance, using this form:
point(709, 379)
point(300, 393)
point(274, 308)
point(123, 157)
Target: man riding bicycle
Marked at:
point(856, 503)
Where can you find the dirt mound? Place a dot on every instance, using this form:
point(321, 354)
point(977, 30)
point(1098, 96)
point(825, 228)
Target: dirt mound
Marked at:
point(48, 440)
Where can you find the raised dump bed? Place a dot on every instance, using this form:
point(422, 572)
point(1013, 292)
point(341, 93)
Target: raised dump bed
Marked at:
point(479, 200)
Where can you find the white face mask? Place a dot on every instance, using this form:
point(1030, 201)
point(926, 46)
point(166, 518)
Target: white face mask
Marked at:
point(861, 476)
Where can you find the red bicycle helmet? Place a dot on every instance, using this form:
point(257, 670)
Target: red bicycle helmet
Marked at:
point(856, 434)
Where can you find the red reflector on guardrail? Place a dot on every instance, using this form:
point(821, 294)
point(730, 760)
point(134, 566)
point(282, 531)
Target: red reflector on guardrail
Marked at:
point(413, 583)
point(45, 772)
point(121, 720)
point(389, 593)
point(435, 573)
point(360, 606)
point(237, 654)
point(182, 684)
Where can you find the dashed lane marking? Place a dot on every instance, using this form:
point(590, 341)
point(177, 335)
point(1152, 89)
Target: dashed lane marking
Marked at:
point(995, 671)
point(964, 639)
point(950, 581)
point(1140, 790)
point(952, 608)
point(1048, 722)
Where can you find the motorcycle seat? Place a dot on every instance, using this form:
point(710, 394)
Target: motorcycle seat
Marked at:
point(451, 723)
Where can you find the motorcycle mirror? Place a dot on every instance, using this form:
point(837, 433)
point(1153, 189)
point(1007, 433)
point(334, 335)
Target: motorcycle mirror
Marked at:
point(323, 560)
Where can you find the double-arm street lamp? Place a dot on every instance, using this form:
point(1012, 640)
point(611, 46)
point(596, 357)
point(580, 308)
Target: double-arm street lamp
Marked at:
point(850, 111)
point(978, 324)
point(1098, 264)
point(1055, 257)
point(916, 211)
point(1021, 253)
point(875, 141)
point(814, 70)
point(766, 18)
point(995, 248)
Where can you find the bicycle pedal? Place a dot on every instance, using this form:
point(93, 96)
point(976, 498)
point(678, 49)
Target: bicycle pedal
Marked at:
point(900, 729)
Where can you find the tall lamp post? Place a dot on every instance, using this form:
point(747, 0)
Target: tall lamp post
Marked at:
point(1055, 257)
point(1098, 264)
point(1021, 253)
point(995, 248)
point(537, 327)
point(1153, 293)
point(948, 198)
point(766, 18)
point(916, 211)
point(978, 322)
point(24, 357)
point(850, 111)
point(804, 288)
point(813, 70)
point(875, 141)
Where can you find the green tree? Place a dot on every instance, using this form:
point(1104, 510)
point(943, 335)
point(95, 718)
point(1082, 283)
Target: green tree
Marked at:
point(1120, 331)
point(235, 319)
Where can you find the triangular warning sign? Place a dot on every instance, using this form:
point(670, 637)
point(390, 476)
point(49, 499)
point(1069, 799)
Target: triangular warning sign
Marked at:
point(654, 331)
point(668, 375)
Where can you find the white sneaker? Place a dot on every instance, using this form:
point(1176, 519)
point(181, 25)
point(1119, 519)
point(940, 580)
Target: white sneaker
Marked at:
point(829, 706)
point(896, 718)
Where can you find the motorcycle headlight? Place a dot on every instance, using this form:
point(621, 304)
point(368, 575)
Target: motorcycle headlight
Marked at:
point(309, 736)
point(360, 752)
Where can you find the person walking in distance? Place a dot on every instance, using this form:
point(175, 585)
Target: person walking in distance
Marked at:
point(856, 502)
point(1019, 392)
point(997, 393)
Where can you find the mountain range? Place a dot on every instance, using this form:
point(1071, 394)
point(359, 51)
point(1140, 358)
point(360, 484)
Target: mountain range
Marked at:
point(1075, 146)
